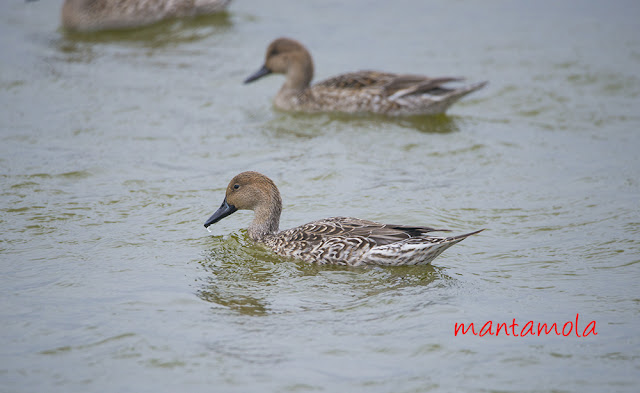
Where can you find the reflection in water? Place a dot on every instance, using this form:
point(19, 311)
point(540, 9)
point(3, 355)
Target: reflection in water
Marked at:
point(438, 124)
point(310, 125)
point(235, 269)
point(250, 279)
point(163, 34)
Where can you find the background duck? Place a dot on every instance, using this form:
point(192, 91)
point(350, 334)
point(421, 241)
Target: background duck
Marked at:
point(335, 240)
point(356, 92)
point(94, 15)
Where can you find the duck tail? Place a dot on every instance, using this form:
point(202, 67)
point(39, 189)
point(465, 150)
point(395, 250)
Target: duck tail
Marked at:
point(450, 97)
point(457, 94)
point(462, 237)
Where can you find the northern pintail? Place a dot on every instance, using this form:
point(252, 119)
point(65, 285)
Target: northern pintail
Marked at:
point(335, 240)
point(357, 92)
point(94, 15)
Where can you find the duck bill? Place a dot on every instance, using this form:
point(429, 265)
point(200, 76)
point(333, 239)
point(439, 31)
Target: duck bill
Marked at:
point(258, 74)
point(224, 210)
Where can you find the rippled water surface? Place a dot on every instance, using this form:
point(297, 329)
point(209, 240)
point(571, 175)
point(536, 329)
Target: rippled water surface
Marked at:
point(116, 147)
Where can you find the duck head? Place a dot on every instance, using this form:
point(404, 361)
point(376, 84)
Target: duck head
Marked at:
point(289, 57)
point(252, 191)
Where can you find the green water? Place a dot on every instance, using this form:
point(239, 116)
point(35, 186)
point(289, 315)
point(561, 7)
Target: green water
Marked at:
point(116, 147)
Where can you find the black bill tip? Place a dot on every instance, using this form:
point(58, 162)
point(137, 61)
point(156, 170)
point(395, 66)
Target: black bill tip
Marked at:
point(224, 210)
point(258, 74)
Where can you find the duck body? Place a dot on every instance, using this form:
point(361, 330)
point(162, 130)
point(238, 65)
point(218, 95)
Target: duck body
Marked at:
point(95, 15)
point(375, 92)
point(336, 240)
point(352, 241)
point(357, 92)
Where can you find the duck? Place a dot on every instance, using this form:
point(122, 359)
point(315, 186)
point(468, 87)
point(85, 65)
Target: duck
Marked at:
point(332, 241)
point(356, 92)
point(96, 15)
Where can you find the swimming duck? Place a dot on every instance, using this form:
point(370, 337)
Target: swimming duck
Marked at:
point(356, 92)
point(94, 15)
point(335, 240)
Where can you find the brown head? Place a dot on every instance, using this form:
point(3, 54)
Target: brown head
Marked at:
point(252, 191)
point(289, 57)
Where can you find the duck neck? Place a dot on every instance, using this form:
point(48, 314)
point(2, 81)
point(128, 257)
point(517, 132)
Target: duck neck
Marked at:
point(299, 75)
point(266, 221)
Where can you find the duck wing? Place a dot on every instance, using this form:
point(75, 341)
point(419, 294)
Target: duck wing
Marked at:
point(403, 85)
point(396, 85)
point(358, 80)
point(349, 227)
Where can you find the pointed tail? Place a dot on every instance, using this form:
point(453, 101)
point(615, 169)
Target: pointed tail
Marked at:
point(462, 237)
point(463, 91)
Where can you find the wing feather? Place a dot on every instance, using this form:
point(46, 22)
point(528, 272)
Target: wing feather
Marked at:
point(396, 85)
point(348, 227)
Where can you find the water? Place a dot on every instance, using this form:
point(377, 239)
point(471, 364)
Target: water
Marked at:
point(116, 147)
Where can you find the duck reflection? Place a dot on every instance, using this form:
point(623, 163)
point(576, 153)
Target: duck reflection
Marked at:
point(249, 279)
point(306, 126)
point(164, 34)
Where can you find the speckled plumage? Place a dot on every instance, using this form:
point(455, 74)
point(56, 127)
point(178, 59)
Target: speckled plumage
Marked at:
point(94, 15)
point(357, 92)
point(335, 240)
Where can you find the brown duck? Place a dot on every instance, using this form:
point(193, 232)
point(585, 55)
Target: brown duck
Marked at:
point(335, 240)
point(94, 15)
point(356, 92)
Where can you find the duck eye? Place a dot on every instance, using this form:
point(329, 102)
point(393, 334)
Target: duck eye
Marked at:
point(236, 186)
